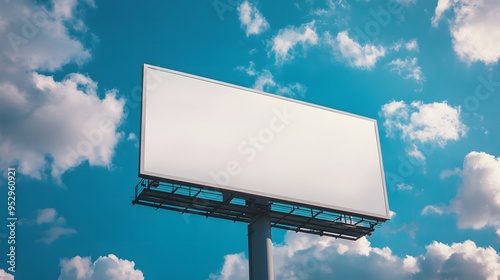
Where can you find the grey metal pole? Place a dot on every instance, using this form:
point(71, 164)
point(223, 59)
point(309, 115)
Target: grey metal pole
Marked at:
point(260, 249)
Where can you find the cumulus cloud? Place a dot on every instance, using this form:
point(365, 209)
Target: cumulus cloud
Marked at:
point(459, 261)
point(421, 123)
point(407, 68)
point(235, 268)
point(477, 203)
point(251, 19)
point(41, 40)
point(474, 28)
point(264, 81)
point(50, 126)
point(350, 51)
point(310, 257)
point(108, 267)
point(283, 45)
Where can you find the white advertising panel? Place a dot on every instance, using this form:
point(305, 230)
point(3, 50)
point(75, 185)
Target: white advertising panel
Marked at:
point(214, 134)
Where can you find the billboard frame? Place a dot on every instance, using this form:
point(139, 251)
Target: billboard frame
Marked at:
point(272, 197)
point(197, 200)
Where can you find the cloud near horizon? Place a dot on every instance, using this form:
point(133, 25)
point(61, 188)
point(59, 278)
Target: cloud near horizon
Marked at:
point(304, 256)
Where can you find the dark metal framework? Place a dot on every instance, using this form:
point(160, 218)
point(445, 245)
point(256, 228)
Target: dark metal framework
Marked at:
point(245, 208)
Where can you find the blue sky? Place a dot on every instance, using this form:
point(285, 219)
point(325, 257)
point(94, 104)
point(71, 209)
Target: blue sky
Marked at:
point(70, 77)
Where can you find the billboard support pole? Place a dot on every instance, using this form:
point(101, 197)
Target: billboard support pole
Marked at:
point(260, 248)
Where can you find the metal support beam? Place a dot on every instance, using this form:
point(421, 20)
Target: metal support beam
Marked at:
point(260, 248)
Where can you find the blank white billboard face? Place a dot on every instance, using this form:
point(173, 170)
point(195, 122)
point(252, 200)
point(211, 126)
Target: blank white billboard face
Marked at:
point(209, 133)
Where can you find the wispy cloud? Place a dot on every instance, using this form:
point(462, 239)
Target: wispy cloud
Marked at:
point(283, 45)
point(264, 81)
point(404, 187)
point(448, 173)
point(350, 51)
point(53, 233)
point(408, 69)
point(251, 19)
point(131, 136)
point(411, 45)
point(432, 209)
point(47, 215)
point(57, 225)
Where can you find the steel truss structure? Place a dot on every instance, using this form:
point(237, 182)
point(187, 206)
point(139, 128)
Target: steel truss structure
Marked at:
point(240, 207)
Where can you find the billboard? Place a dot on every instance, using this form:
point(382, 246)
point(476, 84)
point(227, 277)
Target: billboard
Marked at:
point(203, 132)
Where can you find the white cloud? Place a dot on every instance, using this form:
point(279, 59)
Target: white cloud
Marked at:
point(43, 122)
point(459, 261)
point(56, 223)
point(5, 275)
point(350, 51)
point(131, 136)
point(474, 29)
point(407, 68)
point(284, 43)
point(66, 124)
point(264, 81)
point(412, 45)
point(410, 264)
point(414, 152)
point(235, 268)
point(406, 2)
point(448, 173)
point(477, 203)
point(431, 209)
point(311, 257)
point(251, 19)
point(335, 13)
point(42, 40)
point(46, 215)
point(53, 233)
point(108, 267)
point(421, 123)
point(441, 7)
point(404, 187)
